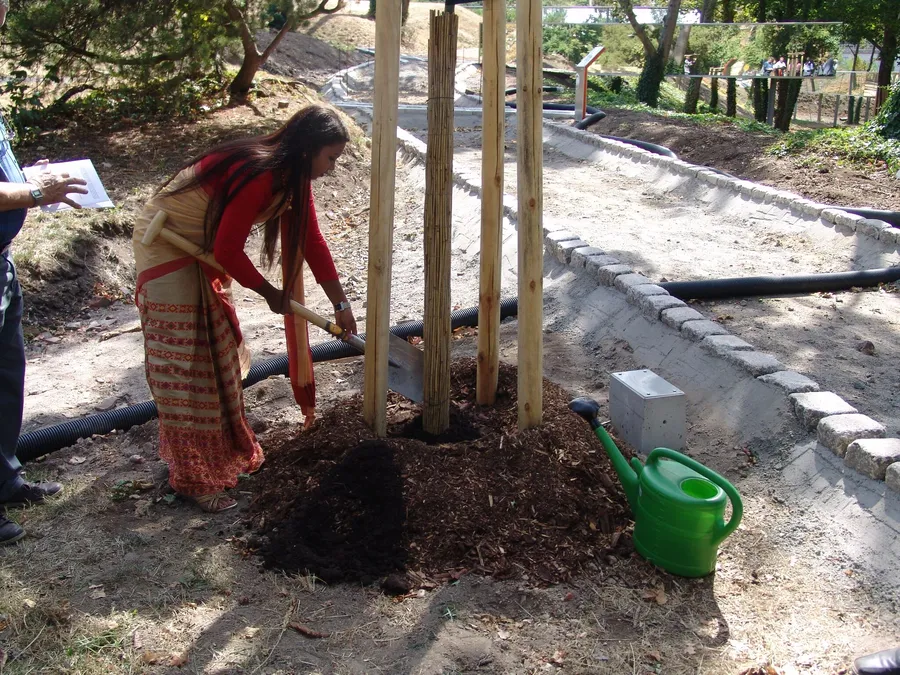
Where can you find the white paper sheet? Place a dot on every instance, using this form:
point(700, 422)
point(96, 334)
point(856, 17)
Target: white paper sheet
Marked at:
point(96, 198)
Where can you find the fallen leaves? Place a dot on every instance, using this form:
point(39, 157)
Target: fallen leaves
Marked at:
point(657, 595)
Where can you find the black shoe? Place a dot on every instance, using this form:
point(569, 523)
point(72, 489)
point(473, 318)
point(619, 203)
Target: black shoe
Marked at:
point(10, 533)
point(31, 493)
point(885, 662)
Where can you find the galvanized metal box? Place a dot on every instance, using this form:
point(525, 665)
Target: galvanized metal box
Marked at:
point(647, 411)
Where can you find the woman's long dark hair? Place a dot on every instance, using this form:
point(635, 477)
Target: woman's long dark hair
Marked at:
point(287, 153)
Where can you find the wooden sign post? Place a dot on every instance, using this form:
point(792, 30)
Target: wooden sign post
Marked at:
point(381, 213)
point(438, 220)
point(529, 118)
point(493, 74)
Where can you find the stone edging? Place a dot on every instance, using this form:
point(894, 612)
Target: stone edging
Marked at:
point(859, 439)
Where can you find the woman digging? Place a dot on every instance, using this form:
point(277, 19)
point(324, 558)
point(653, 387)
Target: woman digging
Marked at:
point(195, 355)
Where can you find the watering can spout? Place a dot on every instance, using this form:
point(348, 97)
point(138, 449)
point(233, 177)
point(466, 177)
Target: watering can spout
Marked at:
point(628, 476)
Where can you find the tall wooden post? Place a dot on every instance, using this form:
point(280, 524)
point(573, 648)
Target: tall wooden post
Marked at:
point(493, 77)
point(529, 117)
point(438, 220)
point(381, 213)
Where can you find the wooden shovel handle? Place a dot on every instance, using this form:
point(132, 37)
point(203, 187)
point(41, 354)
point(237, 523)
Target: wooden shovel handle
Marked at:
point(191, 248)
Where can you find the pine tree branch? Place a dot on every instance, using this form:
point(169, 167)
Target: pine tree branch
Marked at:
point(152, 60)
point(237, 16)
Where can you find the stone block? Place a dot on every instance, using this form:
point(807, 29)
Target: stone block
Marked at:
point(697, 330)
point(790, 382)
point(872, 227)
point(564, 249)
point(720, 344)
point(755, 363)
point(554, 238)
point(652, 305)
point(677, 316)
point(634, 294)
point(872, 456)
point(811, 208)
point(625, 281)
point(892, 476)
point(836, 432)
point(593, 264)
point(810, 407)
point(830, 215)
point(891, 236)
point(580, 255)
point(608, 273)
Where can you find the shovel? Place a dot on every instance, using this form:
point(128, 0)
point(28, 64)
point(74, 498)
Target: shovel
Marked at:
point(405, 362)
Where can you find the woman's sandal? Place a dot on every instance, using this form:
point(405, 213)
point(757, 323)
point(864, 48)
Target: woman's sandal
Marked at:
point(215, 503)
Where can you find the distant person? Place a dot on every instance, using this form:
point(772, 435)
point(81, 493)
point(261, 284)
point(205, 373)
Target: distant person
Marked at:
point(809, 67)
point(689, 62)
point(829, 67)
point(767, 66)
point(17, 196)
point(779, 67)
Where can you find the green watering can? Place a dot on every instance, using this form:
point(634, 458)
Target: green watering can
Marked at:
point(678, 504)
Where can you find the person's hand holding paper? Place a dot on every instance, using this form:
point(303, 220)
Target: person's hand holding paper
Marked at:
point(62, 185)
point(56, 187)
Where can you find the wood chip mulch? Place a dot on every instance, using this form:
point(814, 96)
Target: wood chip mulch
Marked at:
point(541, 504)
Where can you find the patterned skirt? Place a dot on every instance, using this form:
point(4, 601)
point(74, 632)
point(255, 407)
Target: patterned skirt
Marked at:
point(195, 358)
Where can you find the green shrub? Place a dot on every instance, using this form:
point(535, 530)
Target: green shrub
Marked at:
point(887, 123)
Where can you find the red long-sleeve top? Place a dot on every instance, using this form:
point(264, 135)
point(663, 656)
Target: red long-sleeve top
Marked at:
point(239, 217)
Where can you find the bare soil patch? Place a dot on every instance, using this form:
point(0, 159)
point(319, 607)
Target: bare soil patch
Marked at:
point(308, 59)
point(345, 28)
point(543, 504)
point(744, 154)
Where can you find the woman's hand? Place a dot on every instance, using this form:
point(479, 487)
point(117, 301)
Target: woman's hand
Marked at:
point(57, 186)
point(278, 302)
point(345, 319)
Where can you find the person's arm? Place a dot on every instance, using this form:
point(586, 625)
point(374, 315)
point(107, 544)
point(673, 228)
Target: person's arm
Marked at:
point(234, 229)
point(54, 187)
point(320, 262)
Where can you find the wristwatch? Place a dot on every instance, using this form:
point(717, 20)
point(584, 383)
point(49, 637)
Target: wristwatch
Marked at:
point(36, 194)
point(341, 306)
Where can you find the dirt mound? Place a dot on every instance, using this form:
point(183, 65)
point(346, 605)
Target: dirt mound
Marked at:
point(307, 59)
point(744, 154)
point(346, 29)
point(540, 504)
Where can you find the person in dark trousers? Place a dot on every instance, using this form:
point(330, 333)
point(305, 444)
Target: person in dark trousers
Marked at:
point(17, 196)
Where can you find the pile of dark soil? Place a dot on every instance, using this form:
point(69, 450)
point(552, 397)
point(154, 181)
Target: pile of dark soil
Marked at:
point(540, 504)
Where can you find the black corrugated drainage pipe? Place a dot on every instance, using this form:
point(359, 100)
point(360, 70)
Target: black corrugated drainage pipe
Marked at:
point(563, 106)
point(589, 120)
point(46, 440)
point(710, 289)
point(546, 87)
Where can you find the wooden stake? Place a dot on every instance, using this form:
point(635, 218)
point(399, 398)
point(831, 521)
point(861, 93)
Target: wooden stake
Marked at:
point(819, 110)
point(381, 213)
point(492, 134)
point(438, 220)
point(837, 109)
point(529, 117)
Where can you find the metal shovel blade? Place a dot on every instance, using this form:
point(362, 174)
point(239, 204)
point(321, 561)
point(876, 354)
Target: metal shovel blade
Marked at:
point(406, 366)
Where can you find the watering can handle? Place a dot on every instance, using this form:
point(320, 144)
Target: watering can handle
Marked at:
point(737, 506)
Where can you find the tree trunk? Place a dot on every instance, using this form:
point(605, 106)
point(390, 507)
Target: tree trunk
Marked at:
point(888, 56)
point(371, 13)
point(785, 100)
point(714, 94)
point(692, 97)
point(243, 81)
point(758, 93)
point(650, 80)
point(404, 16)
point(731, 98)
